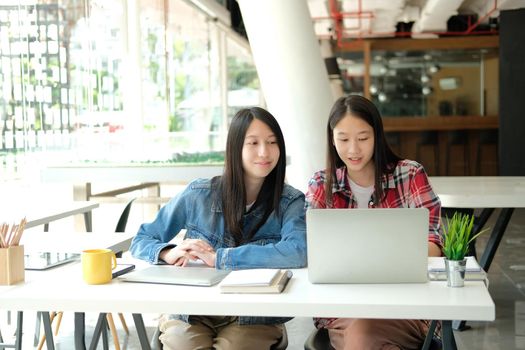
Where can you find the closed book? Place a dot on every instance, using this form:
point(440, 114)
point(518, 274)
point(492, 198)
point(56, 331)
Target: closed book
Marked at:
point(473, 272)
point(256, 281)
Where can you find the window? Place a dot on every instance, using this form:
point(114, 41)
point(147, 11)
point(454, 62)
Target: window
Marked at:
point(116, 80)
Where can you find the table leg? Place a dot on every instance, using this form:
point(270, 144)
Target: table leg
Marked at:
point(141, 331)
point(492, 246)
point(80, 331)
point(36, 339)
point(449, 343)
point(105, 344)
point(495, 238)
point(99, 328)
point(88, 221)
point(81, 192)
point(46, 319)
point(19, 333)
point(430, 336)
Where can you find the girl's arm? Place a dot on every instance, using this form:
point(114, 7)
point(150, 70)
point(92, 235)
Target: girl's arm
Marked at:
point(155, 236)
point(289, 252)
point(423, 196)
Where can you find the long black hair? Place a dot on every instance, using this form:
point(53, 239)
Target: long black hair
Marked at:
point(385, 160)
point(231, 187)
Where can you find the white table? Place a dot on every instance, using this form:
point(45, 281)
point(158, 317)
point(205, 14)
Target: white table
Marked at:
point(433, 300)
point(488, 193)
point(42, 213)
point(480, 191)
point(148, 175)
point(73, 242)
point(131, 172)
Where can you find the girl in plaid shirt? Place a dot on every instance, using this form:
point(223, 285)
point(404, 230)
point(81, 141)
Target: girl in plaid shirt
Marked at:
point(363, 172)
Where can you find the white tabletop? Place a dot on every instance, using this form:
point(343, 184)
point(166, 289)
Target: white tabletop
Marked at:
point(40, 213)
point(75, 242)
point(129, 173)
point(480, 191)
point(433, 300)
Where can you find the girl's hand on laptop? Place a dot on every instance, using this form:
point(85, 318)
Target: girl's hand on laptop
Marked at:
point(187, 250)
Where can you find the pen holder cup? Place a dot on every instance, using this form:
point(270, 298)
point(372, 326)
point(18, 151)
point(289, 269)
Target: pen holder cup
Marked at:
point(12, 265)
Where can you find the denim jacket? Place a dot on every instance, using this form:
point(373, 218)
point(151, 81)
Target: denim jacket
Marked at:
point(279, 243)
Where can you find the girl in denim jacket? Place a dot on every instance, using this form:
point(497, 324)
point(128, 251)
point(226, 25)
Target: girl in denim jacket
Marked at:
point(246, 218)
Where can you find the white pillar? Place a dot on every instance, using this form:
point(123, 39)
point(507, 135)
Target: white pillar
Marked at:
point(132, 82)
point(293, 79)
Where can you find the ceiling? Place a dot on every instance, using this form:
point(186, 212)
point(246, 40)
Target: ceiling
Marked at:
point(356, 19)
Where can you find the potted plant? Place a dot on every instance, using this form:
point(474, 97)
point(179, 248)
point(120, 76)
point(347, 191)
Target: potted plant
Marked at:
point(457, 235)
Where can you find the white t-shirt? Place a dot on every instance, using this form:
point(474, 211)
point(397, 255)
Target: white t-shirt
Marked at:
point(362, 194)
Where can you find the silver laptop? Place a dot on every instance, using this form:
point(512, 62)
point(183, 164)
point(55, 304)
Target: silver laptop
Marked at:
point(168, 274)
point(367, 245)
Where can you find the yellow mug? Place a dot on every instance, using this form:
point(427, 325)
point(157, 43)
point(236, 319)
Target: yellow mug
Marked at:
point(97, 265)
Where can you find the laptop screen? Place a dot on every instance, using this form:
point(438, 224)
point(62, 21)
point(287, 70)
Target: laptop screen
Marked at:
point(367, 245)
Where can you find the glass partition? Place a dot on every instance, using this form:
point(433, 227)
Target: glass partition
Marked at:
point(116, 80)
point(427, 83)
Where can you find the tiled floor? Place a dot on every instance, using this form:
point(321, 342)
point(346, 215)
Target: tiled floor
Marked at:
point(507, 287)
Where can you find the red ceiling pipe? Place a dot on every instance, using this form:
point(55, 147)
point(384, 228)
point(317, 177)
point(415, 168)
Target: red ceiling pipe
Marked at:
point(472, 27)
point(337, 17)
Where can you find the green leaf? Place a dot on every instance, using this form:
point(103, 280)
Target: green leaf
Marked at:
point(456, 235)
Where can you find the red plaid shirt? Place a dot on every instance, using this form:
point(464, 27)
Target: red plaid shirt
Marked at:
point(406, 187)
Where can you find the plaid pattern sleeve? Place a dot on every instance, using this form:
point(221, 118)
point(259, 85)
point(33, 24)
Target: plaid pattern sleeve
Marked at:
point(413, 190)
point(424, 196)
point(315, 194)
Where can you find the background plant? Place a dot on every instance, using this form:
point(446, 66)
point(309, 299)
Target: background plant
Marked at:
point(457, 236)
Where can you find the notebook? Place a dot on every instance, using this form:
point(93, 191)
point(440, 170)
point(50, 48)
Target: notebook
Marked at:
point(260, 281)
point(168, 274)
point(367, 245)
point(46, 260)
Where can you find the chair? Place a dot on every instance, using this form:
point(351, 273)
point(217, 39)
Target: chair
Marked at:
point(487, 138)
point(429, 139)
point(121, 227)
point(320, 340)
point(457, 138)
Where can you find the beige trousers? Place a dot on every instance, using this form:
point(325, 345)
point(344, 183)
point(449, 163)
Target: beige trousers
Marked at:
point(217, 332)
point(369, 334)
